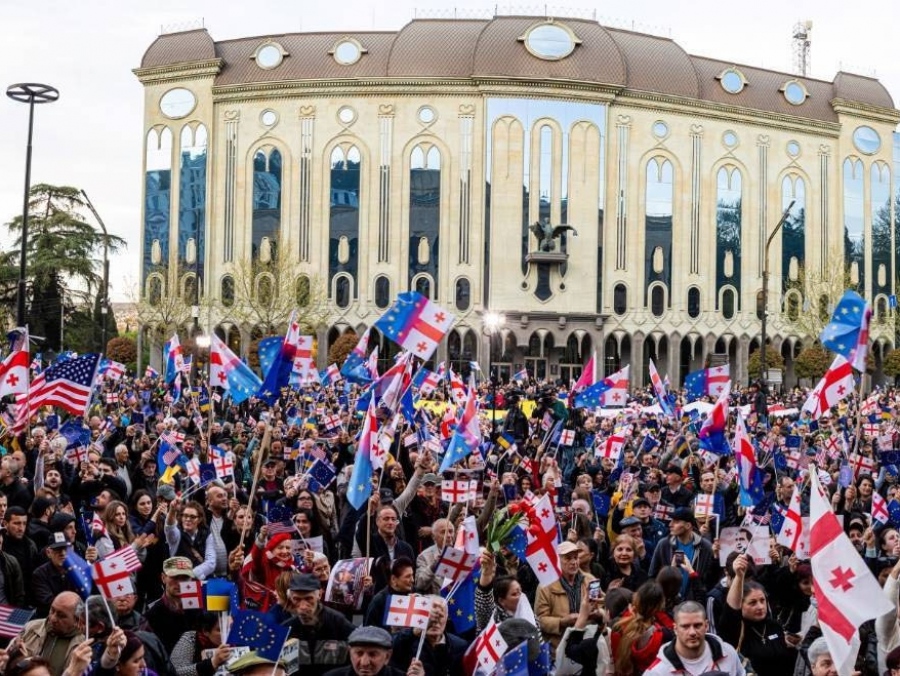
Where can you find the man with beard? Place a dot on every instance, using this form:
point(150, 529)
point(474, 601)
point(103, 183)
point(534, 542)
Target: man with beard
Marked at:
point(322, 632)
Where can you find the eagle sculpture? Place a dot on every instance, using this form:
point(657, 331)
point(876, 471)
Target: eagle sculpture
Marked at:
point(546, 233)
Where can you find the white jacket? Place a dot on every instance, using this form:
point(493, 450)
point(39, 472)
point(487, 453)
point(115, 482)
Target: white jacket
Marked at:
point(724, 656)
point(887, 628)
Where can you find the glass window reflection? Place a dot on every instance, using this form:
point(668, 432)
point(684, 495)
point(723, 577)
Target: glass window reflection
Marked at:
point(854, 217)
point(880, 205)
point(728, 228)
point(346, 167)
point(192, 196)
point(620, 299)
point(266, 201)
point(463, 294)
point(793, 233)
point(157, 196)
point(693, 304)
point(382, 292)
point(660, 191)
point(424, 211)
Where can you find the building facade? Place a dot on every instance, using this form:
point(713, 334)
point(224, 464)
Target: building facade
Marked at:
point(432, 157)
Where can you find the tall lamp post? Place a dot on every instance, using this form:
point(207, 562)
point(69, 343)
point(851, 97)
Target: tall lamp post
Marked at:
point(765, 293)
point(104, 301)
point(492, 323)
point(30, 93)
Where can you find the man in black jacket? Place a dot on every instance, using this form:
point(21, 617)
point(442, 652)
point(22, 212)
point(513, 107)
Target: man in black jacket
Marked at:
point(12, 586)
point(322, 632)
point(18, 545)
point(165, 617)
point(370, 652)
point(50, 578)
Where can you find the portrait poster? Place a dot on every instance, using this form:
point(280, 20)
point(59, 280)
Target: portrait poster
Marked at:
point(752, 540)
point(345, 586)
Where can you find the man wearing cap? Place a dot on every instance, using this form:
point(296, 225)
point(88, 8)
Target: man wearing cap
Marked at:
point(652, 529)
point(322, 631)
point(370, 654)
point(674, 492)
point(631, 526)
point(50, 578)
point(251, 664)
point(165, 616)
point(557, 604)
point(698, 565)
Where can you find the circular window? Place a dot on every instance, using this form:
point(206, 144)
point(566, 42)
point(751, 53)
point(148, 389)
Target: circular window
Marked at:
point(269, 56)
point(866, 140)
point(427, 115)
point(730, 139)
point(550, 41)
point(177, 103)
point(732, 81)
point(347, 52)
point(268, 117)
point(795, 93)
point(346, 114)
point(793, 149)
point(660, 129)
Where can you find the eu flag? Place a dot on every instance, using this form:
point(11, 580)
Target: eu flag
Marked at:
point(461, 606)
point(514, 662)
point(695, 384)
point(78, 573)
point(841, 334)
point(258, 631)
point(590, 396)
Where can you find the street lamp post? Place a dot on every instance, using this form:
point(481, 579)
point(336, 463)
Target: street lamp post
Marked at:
point(30, 93)
point(765, 293)
point(493, 322)
point(104, 301)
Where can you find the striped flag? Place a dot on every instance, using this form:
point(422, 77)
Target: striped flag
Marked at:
point(13, 620)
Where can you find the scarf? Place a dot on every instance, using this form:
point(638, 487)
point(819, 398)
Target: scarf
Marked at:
point(573, 591)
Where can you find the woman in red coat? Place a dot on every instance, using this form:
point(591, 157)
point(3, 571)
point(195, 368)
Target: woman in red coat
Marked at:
point(265, 563)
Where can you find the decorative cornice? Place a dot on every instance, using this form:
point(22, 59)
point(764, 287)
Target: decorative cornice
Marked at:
point(865, 111)
point(176, 72)
point(718, 111)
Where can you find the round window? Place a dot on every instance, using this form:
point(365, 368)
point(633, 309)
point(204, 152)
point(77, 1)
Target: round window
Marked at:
point(269, 56)
point(177, 103)
point(732, 81)
point(660, 129)
point(866, 140)
point(427, 115)
point(346, 115)
point(794, 93)
point(347, 52)
point(793, 149)
point(268, 117)
point(550, 41)
point(730, 139)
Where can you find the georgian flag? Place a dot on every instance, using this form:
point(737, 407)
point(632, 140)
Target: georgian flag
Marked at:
point(486, 651)
point(190, 594)
point(791, 530)
point(879, 509)
point(847, 593)
point(411, 610)
point(611, 447)
point(835, 385)
point(455, 564)
point(567, 438)
point(14, 368)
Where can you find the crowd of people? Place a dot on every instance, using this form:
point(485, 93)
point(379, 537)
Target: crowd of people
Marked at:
point(661, 570)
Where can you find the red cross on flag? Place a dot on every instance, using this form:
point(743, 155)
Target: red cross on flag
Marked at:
point(487, 650)
point(223, 463)
point(190, 594)
point(841, 581)
point(861, 464)
point(113, 574)
point(467, 536)
point(455, 564)
point(834, 386)
point(879, 508)
point(792, 528)
point(705, 505)
point(14, 368)
point(456, 490)
point(612, 447)
point(567, 438)
point(412, 610)
point(871, 430)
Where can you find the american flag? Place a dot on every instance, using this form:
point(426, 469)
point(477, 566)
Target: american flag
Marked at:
point(68, 385)
point(13, 620)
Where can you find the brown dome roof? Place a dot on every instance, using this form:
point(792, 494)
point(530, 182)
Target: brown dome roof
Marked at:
point(195, 45)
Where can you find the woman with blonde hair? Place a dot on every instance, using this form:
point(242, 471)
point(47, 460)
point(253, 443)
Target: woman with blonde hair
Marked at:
point(641, 631)
point(117, 532)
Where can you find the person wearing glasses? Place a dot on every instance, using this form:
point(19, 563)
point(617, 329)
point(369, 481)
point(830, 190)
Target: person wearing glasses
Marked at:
point(190, 537)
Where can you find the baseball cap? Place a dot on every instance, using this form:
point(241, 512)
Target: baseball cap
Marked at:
point(430, 478)
point(178, 566)
point(684, 514)
point(58, 541)
point(566, 548)
point(639, 502)
point(372, 636)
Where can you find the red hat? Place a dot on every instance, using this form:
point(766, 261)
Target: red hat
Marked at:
point(274, 541)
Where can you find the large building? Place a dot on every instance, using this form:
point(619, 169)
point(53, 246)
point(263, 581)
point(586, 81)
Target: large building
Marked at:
point(431, 158)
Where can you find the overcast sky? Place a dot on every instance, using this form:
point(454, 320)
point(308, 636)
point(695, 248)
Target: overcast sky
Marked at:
point(91, 138)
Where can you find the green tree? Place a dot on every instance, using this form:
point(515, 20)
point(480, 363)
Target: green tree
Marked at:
point(774, 360)
point(813, 362)
point(891, 364)
point(61, 265)
point(122, 350)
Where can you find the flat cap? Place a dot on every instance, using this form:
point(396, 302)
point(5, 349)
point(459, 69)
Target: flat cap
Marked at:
point(373, 636)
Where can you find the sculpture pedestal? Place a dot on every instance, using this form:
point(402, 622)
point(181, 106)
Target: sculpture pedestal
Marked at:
point(549, 257)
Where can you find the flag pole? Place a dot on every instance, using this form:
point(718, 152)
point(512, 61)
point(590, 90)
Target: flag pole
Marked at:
point(858, 435)
point(263, 452)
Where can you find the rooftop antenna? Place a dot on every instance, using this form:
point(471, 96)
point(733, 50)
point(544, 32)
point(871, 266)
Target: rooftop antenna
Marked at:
point(802, 44)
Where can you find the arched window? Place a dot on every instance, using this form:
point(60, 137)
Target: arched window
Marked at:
point(189, 289)
point(793, 306)
point(728, 228)
point(463, 294)
point(192, 195)
point(343, 225)
point(881, 228)
point(342, 291)
point(793, 233)
point(424, 210)
point(620, 299)
point(303, 291)
point(660, 189)
point(728, 304)
point(571, 356)
point(881, 309)
point(854, 221)
point(154, 292)
point(226, 291)
point(657, 301)
point(423, 285)
point(382, 292)
point(693, 304)
point(157, 197)
point(266, 203)
point(265, 291)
